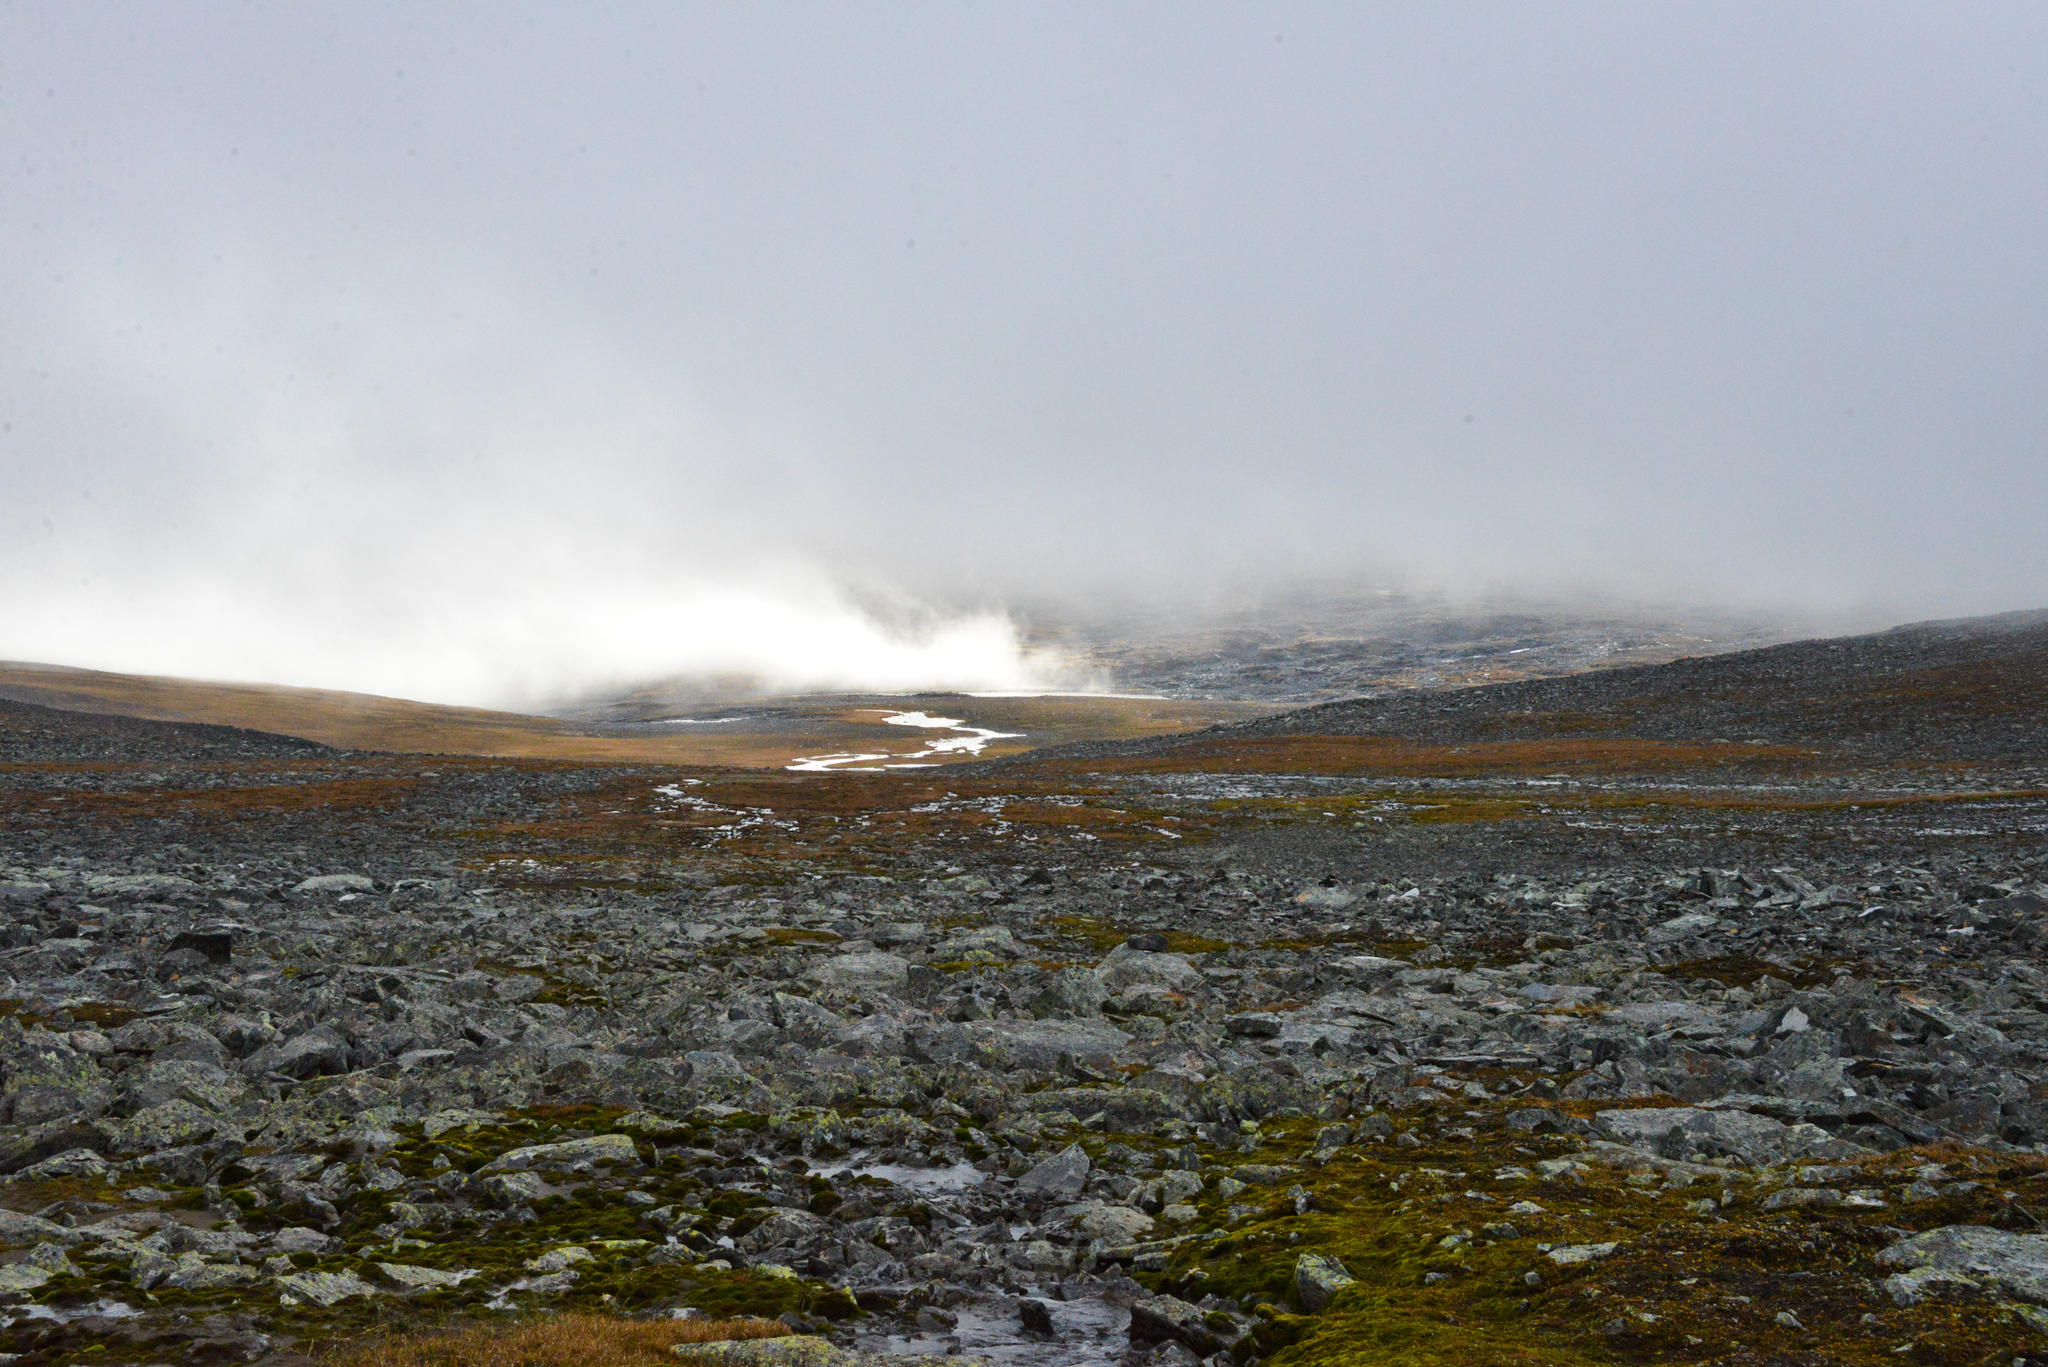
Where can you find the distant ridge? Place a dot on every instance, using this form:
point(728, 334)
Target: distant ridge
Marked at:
point(1963, 689)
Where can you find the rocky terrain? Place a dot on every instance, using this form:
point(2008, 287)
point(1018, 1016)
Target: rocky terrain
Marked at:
point(1316, 643)
point(1695, 1015)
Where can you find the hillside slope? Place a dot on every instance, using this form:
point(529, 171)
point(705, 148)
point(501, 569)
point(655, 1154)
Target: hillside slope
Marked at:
point(1969, 690)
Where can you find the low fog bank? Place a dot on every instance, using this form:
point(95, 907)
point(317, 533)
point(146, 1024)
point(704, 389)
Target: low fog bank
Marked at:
point(499, 647)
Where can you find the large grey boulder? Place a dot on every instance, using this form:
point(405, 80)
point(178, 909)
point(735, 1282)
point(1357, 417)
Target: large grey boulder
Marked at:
point(1677, 1130)
point(424, 1278)
point(195, 1273)
point(807, 1022)
point(17, 1229)
point(18, 1279)
point(1073, 991)
point(785, 1229)
point(319, 1052)
point(48, 1079)
point(571, 1155)
point(324, 1288)
point(862, 973)
point(1168, 1319)
point(1957, 1255)
point(1108, 1222)
point(1317, 1280)
point(1040, 1044)
point(505, 1190)
point(1127, 967)
point(1059, 1178)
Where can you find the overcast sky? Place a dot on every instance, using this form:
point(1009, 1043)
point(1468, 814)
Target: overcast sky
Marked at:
point(453, 350)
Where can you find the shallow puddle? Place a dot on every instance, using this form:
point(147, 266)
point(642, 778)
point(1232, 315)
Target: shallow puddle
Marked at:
point(1086, 1333)
point(65, 1314)
point(958, 1177)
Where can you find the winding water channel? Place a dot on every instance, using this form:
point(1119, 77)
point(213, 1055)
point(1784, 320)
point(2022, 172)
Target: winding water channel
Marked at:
point(968, 740)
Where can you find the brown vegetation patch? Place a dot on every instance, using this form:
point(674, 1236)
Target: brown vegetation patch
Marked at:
point(1737, 970)
point(733, 822)
point(224, 803)
point(569, 1339)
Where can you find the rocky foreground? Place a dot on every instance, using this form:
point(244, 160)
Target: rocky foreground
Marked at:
point(1183, 1067)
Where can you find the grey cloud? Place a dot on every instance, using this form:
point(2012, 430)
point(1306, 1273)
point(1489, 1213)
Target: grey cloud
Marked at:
point(410, 313)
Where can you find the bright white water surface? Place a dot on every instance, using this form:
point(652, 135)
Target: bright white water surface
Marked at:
point(970, 741)
point(958, 1177)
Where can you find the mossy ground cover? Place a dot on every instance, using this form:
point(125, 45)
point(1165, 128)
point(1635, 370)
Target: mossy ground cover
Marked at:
point(1703, 1270)
point(1100, 934)
point(633, 1270)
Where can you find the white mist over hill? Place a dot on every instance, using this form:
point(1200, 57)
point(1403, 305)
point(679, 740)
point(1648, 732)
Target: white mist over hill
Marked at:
point(527, 646)
point(476, 355)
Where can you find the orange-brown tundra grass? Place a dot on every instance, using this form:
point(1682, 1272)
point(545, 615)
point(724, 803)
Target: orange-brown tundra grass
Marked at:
point(570, 1339)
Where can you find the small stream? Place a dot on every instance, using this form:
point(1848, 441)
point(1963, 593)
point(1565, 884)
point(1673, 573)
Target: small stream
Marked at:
point(969, 741)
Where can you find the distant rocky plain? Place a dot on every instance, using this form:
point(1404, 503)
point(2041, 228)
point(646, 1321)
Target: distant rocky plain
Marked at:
point(1672, 1012)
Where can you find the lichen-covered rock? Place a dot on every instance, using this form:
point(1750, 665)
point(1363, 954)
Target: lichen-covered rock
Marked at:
point(570, 1155)
point(318, 1052)
point(1168, 1319)
point(424, 1278)
point(1041, 1044)
point(47, 1078)
point(195, 1273)
point(1125, 966)
point(323, 1288)
point(1058, 1178)
point(1318, 1280)
point(2014, 1264)
point(559, 1259)
point(18, 1279)
point(1108, 1221)
point(1570, 1255)
point(870, 972)
point(337, 883)
point(1677, 1130)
